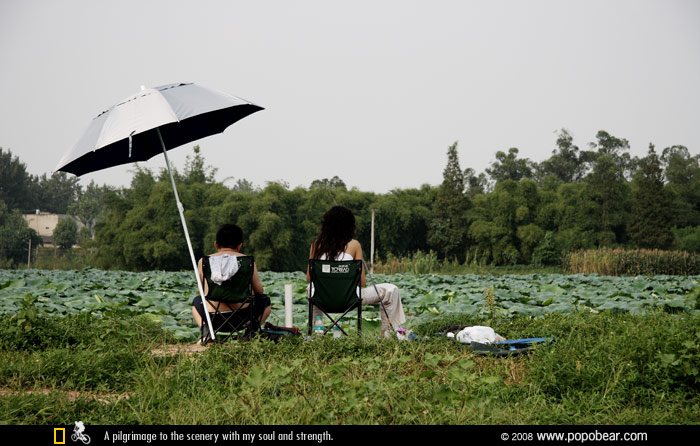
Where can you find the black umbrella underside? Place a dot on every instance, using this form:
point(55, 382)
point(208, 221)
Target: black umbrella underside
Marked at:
point(146, 145)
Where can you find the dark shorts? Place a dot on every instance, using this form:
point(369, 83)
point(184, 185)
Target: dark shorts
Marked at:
point(260, 302)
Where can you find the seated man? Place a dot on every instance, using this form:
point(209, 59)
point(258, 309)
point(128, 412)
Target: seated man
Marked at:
point(229, 239)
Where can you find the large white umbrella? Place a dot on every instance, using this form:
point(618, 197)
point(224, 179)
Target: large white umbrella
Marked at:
point(151, 122)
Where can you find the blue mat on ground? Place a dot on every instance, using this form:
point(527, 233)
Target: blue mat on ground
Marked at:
point(509, 348)
point(526, 341)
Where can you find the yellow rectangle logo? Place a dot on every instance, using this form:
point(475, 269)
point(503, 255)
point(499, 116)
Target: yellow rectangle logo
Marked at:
point(62, 431)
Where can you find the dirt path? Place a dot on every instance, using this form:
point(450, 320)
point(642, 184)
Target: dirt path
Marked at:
point(174, 349)
point(72, 395)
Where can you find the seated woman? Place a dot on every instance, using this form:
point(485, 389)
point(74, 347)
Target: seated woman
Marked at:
point(229, 240)
point(337, 242)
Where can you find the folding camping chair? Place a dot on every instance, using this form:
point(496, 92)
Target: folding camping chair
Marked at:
point(335, 288)
point(236, 290)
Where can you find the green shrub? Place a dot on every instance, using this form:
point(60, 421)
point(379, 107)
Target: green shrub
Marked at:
point(546, 253)
point(687, 239)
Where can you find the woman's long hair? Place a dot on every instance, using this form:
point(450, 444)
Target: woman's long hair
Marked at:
point(337, 229)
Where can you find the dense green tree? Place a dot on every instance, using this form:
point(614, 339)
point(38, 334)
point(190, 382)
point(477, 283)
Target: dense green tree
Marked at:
point(243, 185)
point(274, 233)
point(15, 236)
point(529, 234)
point(16, 185)
point(617, 149)
point(326, 193)
point(110, 234)
point(402, 221)
point(88, 205)
point(546, 213)
point(85, 237)
point(110, 254)
point(547, 252)
point(607, 144)
point(682, 173)
point(609, 192)
point(519, 221)
point(567, 163)
point(57, 192)
point(140, 227)
point(650, 220)
point(687, 239)
point(65, 235)
point(151, 232)
point(476, 184)
point(576, 217)
point(503, 223)
point(332, 184)
point(447, 231)
point(196, 171)
point(510, 167)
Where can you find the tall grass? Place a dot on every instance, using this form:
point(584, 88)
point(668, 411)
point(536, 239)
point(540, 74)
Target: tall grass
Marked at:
point(617, 262)
point(415, 263)
point(44, 257)
point(428, 263)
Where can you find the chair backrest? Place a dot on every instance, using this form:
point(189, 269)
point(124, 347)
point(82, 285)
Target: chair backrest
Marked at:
point(335, 284)
point(236, 289)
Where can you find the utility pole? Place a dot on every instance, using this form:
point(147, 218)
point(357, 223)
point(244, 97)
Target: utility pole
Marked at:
point(29, 255)
point(371, 254)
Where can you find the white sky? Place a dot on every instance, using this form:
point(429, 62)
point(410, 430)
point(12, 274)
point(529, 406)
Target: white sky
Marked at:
point(371, 91)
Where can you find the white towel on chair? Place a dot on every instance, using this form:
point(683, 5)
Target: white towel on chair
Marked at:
point(222, 267)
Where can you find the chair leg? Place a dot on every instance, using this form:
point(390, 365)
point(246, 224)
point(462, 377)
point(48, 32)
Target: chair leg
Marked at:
point(359, 320)
point(234, 323)
point(334, 323)
point(311, 318)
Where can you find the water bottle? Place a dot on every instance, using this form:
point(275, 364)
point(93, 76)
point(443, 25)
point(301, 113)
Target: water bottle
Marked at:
point(336, 332)
point(318, 326)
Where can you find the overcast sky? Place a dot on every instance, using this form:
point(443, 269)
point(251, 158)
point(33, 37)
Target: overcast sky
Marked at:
point(371, 91)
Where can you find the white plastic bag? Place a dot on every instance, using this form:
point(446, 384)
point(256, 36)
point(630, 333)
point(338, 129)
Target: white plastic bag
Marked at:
point(478, 333)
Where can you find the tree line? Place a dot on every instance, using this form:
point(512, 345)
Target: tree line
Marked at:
point(516, 212)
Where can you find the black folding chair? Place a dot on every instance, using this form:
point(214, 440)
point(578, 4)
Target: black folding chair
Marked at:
point(237, 290)
point(335, 288)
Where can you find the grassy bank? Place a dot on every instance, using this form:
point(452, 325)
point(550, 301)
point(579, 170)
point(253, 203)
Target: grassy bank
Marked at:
point(605, 368)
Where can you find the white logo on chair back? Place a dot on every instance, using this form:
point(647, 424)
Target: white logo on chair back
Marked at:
point(325, 268)
point(340, 269)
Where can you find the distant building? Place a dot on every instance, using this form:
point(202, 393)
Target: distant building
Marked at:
point(44, 223)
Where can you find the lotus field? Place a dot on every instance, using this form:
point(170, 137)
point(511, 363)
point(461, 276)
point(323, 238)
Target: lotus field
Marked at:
point(167, 296)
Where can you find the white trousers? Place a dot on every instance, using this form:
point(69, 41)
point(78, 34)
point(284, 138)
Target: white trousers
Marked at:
point(392, 302)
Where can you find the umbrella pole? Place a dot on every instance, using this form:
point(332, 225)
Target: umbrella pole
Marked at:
point(187, 236)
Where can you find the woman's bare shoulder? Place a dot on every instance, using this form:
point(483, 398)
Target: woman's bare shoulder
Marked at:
point(355, 249)
point(353, 242)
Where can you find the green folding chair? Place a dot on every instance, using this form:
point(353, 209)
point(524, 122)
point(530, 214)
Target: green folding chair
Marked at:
point(336, 289)
point(237, 290)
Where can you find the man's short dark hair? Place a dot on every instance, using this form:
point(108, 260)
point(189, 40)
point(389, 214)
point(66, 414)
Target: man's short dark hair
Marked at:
point(229, 236)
